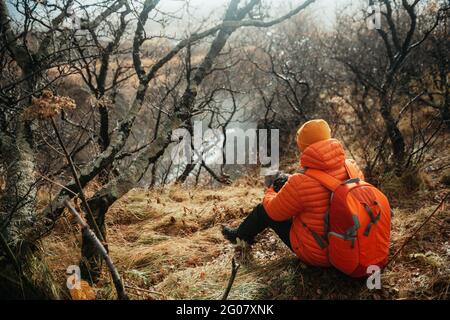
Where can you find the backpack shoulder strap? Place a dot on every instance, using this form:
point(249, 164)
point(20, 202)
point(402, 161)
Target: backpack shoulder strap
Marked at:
point(352, 169)
point(328, 181)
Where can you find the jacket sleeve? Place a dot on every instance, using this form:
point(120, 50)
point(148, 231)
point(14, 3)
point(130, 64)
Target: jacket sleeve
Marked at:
point(286, 203)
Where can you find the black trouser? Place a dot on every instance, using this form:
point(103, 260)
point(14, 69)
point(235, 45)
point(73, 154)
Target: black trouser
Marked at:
point(258, 220)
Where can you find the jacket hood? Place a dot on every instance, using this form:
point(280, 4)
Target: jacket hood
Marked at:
point(323, 155)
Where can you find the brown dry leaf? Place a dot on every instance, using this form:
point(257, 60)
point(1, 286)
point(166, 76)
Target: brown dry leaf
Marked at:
point(47, 106)
point(86, 292)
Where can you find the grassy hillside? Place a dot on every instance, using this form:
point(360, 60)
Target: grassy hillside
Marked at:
point(167, 244)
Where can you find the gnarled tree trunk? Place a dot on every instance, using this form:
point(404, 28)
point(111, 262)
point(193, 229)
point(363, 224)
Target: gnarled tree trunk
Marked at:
point(394, 134)
point(23, 271)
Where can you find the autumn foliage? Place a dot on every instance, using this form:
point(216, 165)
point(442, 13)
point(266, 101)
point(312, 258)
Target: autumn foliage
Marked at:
point(47, 106)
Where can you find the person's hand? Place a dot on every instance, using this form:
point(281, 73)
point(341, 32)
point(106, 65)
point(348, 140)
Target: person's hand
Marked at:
point(279, 181)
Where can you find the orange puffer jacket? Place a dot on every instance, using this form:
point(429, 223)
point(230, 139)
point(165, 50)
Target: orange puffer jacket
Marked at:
point(306, 201)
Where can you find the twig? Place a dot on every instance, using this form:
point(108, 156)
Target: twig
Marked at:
point(77, 181)
point(234, 270)
point(144, 290)
point(101, 248)
point(57, 184)
point(418, 229)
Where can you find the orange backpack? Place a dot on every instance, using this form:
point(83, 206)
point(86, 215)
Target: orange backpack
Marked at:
point(358, 223)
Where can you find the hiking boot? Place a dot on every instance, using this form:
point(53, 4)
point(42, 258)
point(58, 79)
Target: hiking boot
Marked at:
point(230, 234)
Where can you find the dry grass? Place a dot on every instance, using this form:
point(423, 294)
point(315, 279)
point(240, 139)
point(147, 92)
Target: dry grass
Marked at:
point(422, 271)
point(168, 241)
point(412, 187)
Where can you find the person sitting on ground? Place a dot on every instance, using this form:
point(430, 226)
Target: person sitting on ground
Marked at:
point(297, 212)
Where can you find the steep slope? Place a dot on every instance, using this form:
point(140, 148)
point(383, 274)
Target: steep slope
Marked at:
point(167, 244)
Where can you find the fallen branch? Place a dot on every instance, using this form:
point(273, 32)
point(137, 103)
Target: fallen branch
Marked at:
point(101, 248)
point(418, 229)
point(77, 181)
point(234, 270)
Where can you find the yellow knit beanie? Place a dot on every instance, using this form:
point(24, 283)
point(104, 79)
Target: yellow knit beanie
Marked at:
point(312, 132)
